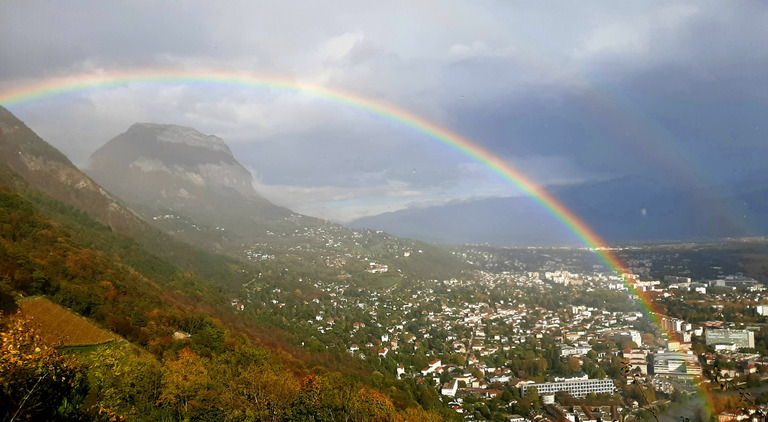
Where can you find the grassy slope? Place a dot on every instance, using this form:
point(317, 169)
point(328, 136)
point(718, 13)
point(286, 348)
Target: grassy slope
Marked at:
point(61, 326)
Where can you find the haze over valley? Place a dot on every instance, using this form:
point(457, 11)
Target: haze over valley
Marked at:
point(398, 212)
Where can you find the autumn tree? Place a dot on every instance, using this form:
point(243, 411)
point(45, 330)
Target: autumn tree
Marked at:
point(36, 382)
point(370, 405)
point(184, 382)
point(125, 379)
point(255, 392)
point(306, 405)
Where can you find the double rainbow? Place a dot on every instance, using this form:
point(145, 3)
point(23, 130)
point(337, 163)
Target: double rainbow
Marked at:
point(72, 84)
point(36, 90)
point(59, 86)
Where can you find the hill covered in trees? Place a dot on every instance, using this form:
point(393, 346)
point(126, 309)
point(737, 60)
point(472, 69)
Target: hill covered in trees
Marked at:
point(191, 355)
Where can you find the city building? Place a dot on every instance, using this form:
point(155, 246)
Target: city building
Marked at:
point(636, 358)
point(670, 363)
point(739, 338)
point(449, 388)
point(578, 388)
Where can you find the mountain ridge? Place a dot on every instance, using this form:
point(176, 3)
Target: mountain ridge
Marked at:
point(30, 164)
point(622, 210)
point(50, 171)
point(175, 151)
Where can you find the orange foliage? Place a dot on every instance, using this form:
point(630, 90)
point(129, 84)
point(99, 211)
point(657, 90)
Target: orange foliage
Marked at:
point(34, 377)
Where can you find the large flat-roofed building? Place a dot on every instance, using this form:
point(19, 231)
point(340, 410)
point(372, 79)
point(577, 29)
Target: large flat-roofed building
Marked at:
point(741, 338)
point(577, 388)
point(670, 363)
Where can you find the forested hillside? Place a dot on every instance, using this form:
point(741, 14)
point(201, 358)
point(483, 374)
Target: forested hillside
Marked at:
point(191, 356)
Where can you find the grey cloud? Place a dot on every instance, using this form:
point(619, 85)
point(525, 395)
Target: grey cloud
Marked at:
point(597, 90)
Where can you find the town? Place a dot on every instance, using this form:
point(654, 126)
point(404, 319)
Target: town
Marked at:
point(537, 345)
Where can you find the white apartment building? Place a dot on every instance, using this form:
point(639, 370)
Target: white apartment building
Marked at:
point(578, 388)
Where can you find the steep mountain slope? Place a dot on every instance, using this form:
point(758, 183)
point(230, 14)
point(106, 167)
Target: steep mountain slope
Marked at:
point(620, 210)
point(179, 320)
point(191, 186)
point(32, 165)
point(48, 170)
point(183, 322)
point(185, 182)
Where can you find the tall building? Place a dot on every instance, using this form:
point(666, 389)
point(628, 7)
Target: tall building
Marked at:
point(740, 338)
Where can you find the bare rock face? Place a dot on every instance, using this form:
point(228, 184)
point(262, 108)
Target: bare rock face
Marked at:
point(181, 161)
point(168, 170)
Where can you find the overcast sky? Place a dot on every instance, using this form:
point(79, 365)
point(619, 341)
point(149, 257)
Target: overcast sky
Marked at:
point(569, 92)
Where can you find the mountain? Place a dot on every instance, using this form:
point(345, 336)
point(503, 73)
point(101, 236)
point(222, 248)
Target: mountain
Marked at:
point(178, 323)
point(189, 185)
point(187, 342)
point(48, 170)
point(184, 182)
point(32, 166)
point(629, 209)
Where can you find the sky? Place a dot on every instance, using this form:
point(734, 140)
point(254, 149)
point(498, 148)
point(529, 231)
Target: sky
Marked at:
point(567, 92)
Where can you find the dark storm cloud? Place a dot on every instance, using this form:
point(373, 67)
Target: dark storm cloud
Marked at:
point(567, 91)
point(677, 102)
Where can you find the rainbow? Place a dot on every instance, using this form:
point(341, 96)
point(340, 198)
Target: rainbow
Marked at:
point(64, 85)
point(36, 90)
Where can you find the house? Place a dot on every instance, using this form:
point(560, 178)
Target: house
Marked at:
point(434, 366)
point(180, 335)
point(467, 378)
point(237, 305)
point(749, 414)
point(449, 388)
point(400, 371)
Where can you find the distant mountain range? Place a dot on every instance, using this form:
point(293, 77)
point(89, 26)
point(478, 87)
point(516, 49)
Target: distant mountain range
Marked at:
point(191, 186)
point(624, 210)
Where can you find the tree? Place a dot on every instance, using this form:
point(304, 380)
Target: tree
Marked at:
point(183, 381)
point(306, 405)
point(260, 392)
point(125, 381)
point(370, 405)
point(532, 394)
point(628, 345)
point(36, 382)
point(648, 339)
point(573, 364)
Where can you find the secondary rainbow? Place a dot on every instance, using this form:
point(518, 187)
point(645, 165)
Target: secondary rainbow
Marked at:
point(35, 90)
point(60, 86)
